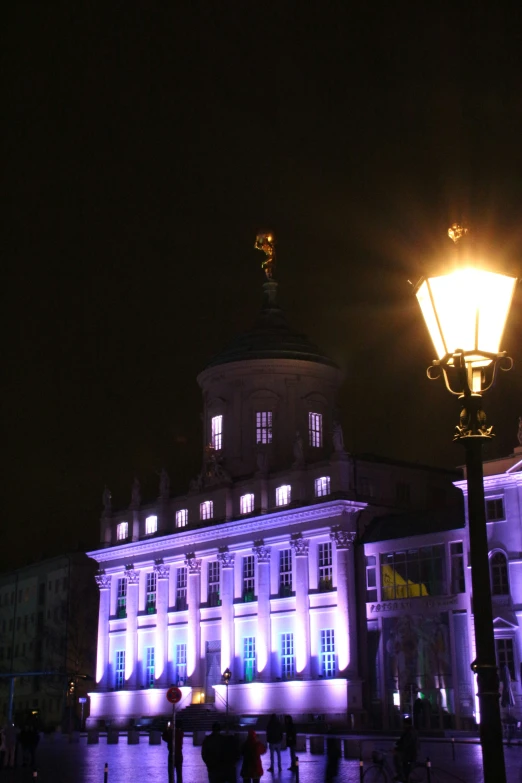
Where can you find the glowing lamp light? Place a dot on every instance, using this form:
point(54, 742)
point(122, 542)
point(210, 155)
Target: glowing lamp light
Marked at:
point(466, 310)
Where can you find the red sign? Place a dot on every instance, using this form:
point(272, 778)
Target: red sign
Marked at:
point(174, 695)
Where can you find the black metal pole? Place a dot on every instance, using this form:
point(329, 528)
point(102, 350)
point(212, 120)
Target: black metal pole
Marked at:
point(485, 664)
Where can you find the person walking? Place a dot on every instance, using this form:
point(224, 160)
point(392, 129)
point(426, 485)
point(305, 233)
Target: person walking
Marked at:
point(252, 768)
point(175, 746)
point(406, 750)
point(291, 740)
point(274, 738)
point(211, 753)
point(11, 740)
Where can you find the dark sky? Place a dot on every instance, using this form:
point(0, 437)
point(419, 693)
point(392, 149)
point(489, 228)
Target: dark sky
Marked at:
point(144, 147)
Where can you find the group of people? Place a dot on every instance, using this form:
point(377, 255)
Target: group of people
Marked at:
point(11, 738)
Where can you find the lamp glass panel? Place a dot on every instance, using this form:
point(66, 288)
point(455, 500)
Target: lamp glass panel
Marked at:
point(428, 311)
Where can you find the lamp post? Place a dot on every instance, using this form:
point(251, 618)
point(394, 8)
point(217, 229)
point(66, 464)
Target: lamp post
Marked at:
point(466, 311)
point(227, 674)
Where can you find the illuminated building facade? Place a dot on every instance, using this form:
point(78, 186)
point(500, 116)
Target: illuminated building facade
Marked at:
point(254, 569)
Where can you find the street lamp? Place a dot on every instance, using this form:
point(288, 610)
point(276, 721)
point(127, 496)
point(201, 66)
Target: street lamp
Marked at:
point(227, 675)
point(466, 311)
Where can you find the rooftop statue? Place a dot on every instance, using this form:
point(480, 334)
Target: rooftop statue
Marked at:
point(164, 486)
point(265, 241)
point(136, 493)
point(107, 502)
point(337, 437)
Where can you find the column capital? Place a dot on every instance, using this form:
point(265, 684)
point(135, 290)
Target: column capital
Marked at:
point(343, 538)
point(193, 563)
point(300, 546)
point(103, 580)
point(132, 575)
point(226, 559)
point(262, 553)
point(160, 569)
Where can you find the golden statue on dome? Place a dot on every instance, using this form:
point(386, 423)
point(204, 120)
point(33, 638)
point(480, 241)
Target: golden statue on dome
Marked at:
point(265, 241)
point(456, 232)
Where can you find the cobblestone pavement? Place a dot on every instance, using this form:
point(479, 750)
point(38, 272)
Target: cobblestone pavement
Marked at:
point(61, 762)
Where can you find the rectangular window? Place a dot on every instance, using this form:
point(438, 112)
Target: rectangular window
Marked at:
point(283, 495)
point(285, 573)
point(315, 429)
point(122, 597)
point(505, 656)
point(495, 509)
point(249, 657)
point(181, 663)
point(213, 583)
point(322, 486)
point(325, 563)
point(181, 589)
point(287, 656)
point(151, 525)
point(371, 578)
point(149, 668)
point(122, 531)
point(458, 583)
point(248, 578)
point(246, 503)
point(217, 433)
point(413, 573)
point(263, 427)
point(182, 517)
point(328, 653)
point(120, 670)
point(151, 592)
point(206, 509)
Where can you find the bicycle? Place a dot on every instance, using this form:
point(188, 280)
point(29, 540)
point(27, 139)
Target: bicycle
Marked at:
point(381, 772)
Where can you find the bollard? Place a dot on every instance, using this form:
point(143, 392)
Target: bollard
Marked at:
point(428, 770)
point(453, 747)
point(106, 774)
point(361, 770)
point(296, 769)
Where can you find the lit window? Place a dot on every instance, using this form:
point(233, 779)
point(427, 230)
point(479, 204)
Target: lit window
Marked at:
point(264, 427)
point(122, 597)
point(149, 668)
point(248, 578)
point(151, 525)
point(206, 509)
point(287, 656)
point(181, 663)
point(182, 517)
point(217, 432)
point(181, 589)
point(120, 669)
point(285, 572)
point(315, 429)
point(458, 583)
point(495, 509)
point(151, 592)
point(328, 653)
point(249, 657)
point(213, 583)
point(283, 495)
point(246, 503)
point(371, 578)
point(122, 531)
point(499, 574)
point(505, 656)
point(413, 573)
point(324, 558)
point(322, 486)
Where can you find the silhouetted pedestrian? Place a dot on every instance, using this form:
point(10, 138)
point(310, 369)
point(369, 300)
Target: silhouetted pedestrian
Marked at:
point(274, 738)
point(252, 769)
point(211, 753)
point(177, 750)
point(291, 740)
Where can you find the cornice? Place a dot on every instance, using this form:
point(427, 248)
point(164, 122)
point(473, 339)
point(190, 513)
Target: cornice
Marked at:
point(496, 482)
point(253, 526)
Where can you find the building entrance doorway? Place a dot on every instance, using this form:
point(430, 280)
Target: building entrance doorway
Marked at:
point(213, 669)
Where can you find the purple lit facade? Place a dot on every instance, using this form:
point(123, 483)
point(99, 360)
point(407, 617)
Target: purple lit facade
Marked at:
point(264, 565)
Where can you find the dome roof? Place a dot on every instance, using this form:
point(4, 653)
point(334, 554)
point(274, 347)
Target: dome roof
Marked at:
point(271, 338)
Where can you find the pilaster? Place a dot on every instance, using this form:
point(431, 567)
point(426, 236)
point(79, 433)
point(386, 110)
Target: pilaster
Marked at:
point(103, 581)
point(345, 632)
point(226, 560)
point(300, 546)
point(162, 604)
point(193, 565)
point(131, 640)
point(263, 641)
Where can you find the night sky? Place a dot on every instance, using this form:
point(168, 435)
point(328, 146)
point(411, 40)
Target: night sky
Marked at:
point(143, 149)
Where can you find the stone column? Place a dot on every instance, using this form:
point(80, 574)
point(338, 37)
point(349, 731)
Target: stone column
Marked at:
point(226, 560)
point(193, 630)
point(131, 640)
point(162, 606)
point(103, 581)
point(263, 640)
point(302, 607)
point(345, 630)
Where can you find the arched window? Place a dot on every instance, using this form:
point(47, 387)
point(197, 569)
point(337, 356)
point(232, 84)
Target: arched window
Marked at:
point(499, 574)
